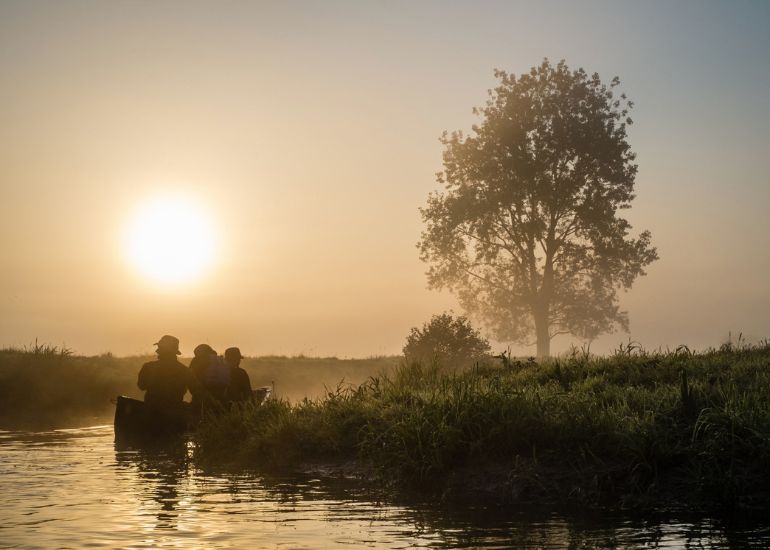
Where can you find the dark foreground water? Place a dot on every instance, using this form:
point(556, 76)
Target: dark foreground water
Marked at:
point(73, 489)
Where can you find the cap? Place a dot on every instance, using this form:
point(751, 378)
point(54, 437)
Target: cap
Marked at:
point(232, 353)
point(169, 343)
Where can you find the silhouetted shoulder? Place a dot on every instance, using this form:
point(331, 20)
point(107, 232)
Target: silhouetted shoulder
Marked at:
point(146, 374)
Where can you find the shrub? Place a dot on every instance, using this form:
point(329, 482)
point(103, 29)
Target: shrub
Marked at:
point(446, 340)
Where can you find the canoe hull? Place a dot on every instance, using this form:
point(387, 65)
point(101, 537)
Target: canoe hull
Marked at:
point(136, 421)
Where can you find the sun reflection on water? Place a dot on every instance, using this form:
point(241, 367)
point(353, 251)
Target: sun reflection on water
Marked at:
point(72, 487)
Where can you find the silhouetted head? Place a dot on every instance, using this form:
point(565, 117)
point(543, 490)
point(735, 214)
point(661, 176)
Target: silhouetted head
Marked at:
point(233, 356)
point(168, 345)
point(203, 350)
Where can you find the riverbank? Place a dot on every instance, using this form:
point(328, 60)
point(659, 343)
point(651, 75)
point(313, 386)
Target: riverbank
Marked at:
point(633, 429)
point(44, 387)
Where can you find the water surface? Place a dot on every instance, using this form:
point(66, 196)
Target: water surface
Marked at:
point(73, 489)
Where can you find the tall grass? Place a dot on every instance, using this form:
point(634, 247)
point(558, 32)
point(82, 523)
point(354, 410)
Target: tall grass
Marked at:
point(44, 386)
point(634, 426)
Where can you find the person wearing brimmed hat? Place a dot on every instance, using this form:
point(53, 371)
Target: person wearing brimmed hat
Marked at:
point(166, 380)
point(239, 390)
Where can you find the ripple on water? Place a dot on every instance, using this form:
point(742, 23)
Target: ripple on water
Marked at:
point(71, 488)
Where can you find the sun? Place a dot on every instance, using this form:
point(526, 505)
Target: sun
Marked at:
point(171, 240)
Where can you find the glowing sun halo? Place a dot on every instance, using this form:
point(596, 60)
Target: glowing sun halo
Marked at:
point(171, 240)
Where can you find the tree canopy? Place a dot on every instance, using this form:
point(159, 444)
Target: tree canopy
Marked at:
point(527, 230)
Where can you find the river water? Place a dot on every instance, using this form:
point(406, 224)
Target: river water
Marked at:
point(73, 489)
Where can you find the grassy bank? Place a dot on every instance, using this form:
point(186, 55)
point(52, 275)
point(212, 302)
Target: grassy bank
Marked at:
point(45, 386)
point(48, 387)
point(632, 428)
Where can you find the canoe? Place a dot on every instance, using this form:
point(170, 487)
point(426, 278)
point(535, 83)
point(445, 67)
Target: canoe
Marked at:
point(136, 421)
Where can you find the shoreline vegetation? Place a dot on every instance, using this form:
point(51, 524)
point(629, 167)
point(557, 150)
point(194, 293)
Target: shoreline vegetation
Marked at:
point(632, 429)
point(635, 429)
point(44, 386)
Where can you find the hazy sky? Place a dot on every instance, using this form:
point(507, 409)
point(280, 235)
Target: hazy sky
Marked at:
point(308, 132)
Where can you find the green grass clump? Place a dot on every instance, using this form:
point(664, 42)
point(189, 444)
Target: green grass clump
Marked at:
point(634, 426)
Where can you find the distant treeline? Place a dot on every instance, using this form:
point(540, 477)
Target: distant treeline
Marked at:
point(633, 428)
point(45, 386)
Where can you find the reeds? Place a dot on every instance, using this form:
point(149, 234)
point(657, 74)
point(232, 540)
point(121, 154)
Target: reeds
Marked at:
point(634, 426)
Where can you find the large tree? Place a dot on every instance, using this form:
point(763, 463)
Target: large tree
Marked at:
point(527, 231)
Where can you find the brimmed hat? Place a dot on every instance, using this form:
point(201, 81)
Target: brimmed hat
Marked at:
point(233, 353)
point(169, 343)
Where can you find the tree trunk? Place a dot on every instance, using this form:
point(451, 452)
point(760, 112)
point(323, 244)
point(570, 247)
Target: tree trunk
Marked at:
point(542, 335)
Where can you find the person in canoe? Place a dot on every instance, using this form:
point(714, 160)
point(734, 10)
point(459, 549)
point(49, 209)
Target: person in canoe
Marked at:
point(239, 390)
point(165, 383)
point(203, 355)
point(213, 377)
